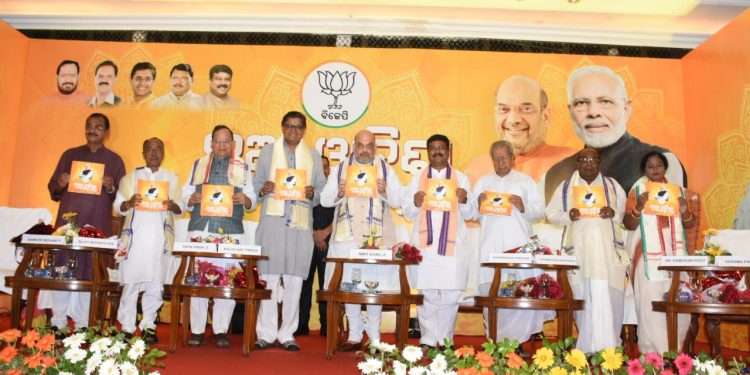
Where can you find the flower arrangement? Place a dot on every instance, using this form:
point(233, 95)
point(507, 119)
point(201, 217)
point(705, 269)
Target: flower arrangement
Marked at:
point(372, 240)
point(534, 247)
point(542, 286)
point(403, 250)
point(69, 229)
point(216, 238)
point(95, 350)
point(711, 249)
point(558, 358)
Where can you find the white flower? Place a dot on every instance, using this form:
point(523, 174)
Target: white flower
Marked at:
point(109, 367)
point(154, 373)
point(64, 373)
point(716, 370)
point(399, 368)
point(370, 366)
point(412, 353)
point(128, 368)
point(75, 355)
point(74, 341)
point(419, 370)
point(100, 345)
point(450, 373)
point(137, 350)
point(438, 364)
point(384, 347)
point(116, 348)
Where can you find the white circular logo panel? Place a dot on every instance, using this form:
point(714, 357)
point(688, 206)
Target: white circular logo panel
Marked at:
point(336, 94)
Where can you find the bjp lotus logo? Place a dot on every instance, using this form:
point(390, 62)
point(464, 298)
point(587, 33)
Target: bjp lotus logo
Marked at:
point(336, 84)
point(346, 84)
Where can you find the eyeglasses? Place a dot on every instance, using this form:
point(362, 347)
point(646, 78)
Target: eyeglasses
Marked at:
point(583, 105)
point(526, 109)
point(95, 127)
point(293, 127)
point(584, 160)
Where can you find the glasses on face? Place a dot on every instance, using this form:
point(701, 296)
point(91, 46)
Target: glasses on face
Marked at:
point(584, 160)
point(583, 105)
point(222, 141)
point(526, 109)
point(299, 127)
point(95, 127)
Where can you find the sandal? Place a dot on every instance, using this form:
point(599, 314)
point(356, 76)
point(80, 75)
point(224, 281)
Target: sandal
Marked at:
point(262, 344)
point(290, 346)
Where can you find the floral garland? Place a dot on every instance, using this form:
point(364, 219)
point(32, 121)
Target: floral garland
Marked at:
point(403, 250)
point(558, 358)
point(95, 350)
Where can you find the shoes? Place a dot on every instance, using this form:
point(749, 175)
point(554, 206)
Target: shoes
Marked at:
point(522, 353)
point(149, 336)
point(350, 346)
point(59, 334)
point(222, 340)
point(263, 344)
point(195, 340)
point(302, 332)
point(128, 335)
point(290, 346)
point(426, 348)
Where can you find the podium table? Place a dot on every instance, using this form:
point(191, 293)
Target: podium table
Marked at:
point(672, 306)
point(564, 306)
point(99, 287)
point(335, 297)
point(182, 292)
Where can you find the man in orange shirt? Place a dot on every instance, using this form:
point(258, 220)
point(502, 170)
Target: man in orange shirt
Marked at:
point(522, 117)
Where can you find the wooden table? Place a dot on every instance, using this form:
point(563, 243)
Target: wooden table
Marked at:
point(564, 306)
point(250, 295)
point(672, 307)
point(335, 297)
point(99, 287)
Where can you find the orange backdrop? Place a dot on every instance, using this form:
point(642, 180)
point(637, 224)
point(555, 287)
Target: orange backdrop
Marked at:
point(13, 47)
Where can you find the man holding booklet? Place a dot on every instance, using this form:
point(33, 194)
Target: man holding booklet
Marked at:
point(217, 193)
point(509, 202)
point(288, 177)
point(591, 207)
point(437, 201)
point(363, 189)
point(85, 182)
point(148, 197)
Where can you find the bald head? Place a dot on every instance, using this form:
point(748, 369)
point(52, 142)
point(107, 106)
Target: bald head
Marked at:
point(364, 146)
point(521, 113)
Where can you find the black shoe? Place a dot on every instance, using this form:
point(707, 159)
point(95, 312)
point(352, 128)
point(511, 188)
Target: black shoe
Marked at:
point(59, 334)
point(302, 332)
point(263, 344)
point(127, 335)
point(195, 340)
point(290, 346)
point(222, 341)
point(149, 336)
point(350, 346)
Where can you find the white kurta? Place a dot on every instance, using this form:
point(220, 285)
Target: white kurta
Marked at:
point(438, 271)
point(146, 260)
point(501, 233)
point(340, 245)
point(601, 278)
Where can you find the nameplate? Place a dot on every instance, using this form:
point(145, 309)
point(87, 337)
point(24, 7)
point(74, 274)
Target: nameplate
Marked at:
point(43, 239)
point(194, 247)
point(511, 258)
point(226, 248)
point(566, 260)
point(104, 243)
point(684, 260)
point(732, 260)
point(380, 254)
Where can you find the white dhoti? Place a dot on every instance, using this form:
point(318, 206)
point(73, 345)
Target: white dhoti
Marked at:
point(652, 325)
point(602, 314)
point(150, 303)
point(64, 304)
point(437, 315)
point(268, 328)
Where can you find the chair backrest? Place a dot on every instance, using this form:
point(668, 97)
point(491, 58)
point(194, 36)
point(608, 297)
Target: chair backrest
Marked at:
point(735, 241)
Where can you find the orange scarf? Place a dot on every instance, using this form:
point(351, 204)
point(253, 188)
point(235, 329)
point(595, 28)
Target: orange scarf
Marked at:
point(448, 229)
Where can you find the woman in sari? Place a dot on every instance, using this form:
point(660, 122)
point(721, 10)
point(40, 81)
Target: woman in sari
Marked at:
point(650, 238)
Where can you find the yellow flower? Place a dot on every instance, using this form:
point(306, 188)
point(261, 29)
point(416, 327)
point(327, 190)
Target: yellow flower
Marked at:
point(544, 358)
point(714, 251)
point(558, 371)
point(576, 358)
point(710, 232)
point(612, 359)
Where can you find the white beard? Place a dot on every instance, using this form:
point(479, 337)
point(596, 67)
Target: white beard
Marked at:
point(601, 139)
